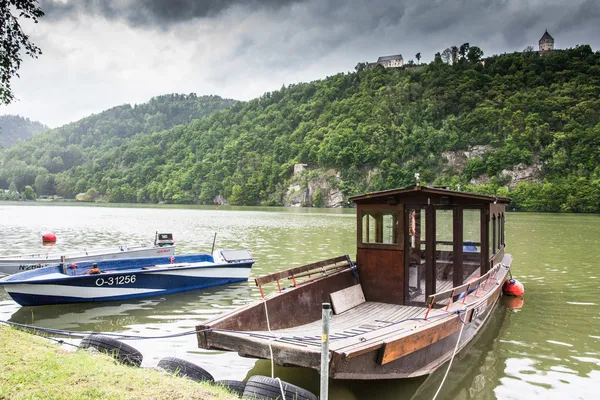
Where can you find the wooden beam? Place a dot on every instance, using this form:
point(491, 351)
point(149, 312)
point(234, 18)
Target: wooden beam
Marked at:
point(457, 258)
point(429, 250)
point(395, 349)
point(406, 223)
point(298, 270)
point(484, 239)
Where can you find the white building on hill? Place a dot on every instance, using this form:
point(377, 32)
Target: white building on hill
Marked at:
point(395, 61)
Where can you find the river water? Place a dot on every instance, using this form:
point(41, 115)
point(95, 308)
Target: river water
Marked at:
point(549, 348)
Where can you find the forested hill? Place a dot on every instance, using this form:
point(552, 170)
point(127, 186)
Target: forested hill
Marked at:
point(50, 161)
point(466, 123)
point(14, 128)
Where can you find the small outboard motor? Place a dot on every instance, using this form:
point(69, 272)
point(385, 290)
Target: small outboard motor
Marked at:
point(164, 239)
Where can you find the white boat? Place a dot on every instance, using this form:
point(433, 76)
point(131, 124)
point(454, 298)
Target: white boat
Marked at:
point(127, 278)
point(163, 246)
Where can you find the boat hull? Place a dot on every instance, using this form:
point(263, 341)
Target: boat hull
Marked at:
point(405, 344)
point(56, 288)
point(13, 265)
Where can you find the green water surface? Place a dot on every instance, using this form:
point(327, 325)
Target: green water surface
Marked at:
point(549, 348)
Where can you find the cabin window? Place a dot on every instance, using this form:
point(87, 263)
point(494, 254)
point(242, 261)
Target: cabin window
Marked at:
point(379, 227)
point(444, 245)
point(471, 231)
point(471, 246)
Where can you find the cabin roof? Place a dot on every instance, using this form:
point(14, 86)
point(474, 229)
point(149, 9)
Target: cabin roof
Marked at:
point(431, 190)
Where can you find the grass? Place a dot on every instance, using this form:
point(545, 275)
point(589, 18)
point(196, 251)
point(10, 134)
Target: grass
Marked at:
point(32, 367)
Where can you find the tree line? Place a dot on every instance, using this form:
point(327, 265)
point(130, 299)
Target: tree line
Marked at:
point(376, 126)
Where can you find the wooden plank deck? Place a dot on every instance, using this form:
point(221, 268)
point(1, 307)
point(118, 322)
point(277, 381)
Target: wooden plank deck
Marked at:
point(362, 324)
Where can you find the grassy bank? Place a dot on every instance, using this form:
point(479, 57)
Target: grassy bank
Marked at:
point(34, 368)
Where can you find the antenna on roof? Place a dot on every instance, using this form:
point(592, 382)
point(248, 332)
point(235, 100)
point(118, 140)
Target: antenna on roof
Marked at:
point(418, 178)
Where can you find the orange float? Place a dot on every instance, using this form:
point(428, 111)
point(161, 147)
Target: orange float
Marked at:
point(48, 238)
point(513, 287)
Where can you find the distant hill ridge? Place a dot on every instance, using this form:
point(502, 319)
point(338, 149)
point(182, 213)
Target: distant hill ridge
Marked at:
point(14, 128)
point(523, 125)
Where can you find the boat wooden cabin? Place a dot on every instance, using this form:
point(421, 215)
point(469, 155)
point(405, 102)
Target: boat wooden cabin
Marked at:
point(430, 264)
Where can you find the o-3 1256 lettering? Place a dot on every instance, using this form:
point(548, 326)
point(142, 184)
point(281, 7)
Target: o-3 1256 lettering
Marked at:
point(115, 280)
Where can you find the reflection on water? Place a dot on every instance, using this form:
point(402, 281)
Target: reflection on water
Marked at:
point(549, 349)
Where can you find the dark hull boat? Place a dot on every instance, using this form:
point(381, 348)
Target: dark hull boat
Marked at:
point(429, 270)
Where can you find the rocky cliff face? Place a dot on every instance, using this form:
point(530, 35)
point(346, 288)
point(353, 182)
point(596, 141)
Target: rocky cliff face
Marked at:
point(519, 173)
point(315, 189)
point(458, 159)
point(522, 173)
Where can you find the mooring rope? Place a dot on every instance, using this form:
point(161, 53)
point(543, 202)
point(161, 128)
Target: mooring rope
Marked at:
point(463, 323)
point(81, 334)
point(271, 350)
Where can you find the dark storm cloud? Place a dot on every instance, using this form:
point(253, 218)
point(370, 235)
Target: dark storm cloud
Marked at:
point(106, 52)
point(588, 11)
point(339, 20)
point(152, 13)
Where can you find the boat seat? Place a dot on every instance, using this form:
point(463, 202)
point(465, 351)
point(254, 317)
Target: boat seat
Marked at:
point(346, 299)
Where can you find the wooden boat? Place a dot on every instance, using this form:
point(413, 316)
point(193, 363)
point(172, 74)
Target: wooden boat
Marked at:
point(163, 246)
point(127, 278)
point(429, 269)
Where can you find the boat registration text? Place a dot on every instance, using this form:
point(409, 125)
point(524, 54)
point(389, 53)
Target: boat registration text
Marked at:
point(115, 280)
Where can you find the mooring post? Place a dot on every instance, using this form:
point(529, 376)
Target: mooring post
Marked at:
point(212, 251)
point(63, 262)
point(326, 312)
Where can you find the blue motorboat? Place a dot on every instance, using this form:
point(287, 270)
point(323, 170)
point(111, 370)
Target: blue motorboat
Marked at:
point(126, 278)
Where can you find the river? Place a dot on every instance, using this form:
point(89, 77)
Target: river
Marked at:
point(550, 348)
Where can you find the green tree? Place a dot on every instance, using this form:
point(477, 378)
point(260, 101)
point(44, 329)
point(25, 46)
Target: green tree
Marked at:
point(474, 54)
point(463, 50)
point(15, 41)
point(418, 57)
point(454, 51)
point(29, 193)
point(447, 55)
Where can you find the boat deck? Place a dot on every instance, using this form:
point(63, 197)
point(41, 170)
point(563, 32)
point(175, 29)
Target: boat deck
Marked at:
point(363, 325)
point(360, 329)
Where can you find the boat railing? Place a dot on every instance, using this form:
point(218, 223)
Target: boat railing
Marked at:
point(454, 294)
point(319, 268)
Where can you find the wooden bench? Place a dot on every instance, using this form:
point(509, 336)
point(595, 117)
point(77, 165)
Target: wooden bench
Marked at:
point(455, 291)
point(322, 267)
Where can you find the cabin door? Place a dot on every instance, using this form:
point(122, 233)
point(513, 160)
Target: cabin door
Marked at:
point(414, 258)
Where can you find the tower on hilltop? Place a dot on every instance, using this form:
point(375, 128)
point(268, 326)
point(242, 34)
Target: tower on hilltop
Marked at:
point(546, 42)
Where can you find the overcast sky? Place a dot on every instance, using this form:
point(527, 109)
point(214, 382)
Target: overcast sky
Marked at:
point(101, 53)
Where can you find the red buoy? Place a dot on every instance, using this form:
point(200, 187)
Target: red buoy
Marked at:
point(513, 287)
point(48, 238)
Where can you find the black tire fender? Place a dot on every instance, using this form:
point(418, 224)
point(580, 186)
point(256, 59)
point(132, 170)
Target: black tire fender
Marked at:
point(236, 387)
point(185, 368)
point(120, 351)
point(263, 387)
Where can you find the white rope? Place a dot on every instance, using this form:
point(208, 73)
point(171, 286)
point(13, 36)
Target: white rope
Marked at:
point(452, 358)
point(271, 351)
